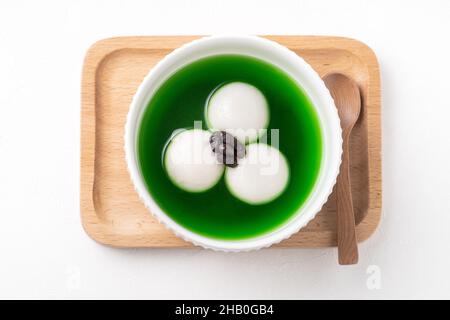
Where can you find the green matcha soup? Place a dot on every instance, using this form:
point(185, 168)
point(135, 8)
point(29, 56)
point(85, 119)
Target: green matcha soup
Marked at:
point(216, 212)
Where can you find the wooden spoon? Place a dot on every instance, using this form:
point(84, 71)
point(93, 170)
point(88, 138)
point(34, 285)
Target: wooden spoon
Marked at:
point(345, 93)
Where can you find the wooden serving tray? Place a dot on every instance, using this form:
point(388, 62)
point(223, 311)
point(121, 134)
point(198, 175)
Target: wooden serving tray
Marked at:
point(111, 211)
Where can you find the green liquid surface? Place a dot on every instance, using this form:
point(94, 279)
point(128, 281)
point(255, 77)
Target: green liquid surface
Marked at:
point(181, 100)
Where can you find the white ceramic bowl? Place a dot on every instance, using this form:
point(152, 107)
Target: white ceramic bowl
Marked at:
point(286, 60)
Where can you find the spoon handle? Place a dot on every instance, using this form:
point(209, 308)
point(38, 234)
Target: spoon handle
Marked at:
point(346, 233)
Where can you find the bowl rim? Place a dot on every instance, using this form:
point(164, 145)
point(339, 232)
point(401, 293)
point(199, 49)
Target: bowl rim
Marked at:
point(291, 63)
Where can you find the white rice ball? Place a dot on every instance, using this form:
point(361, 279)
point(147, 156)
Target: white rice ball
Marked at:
point(260, 177)
point(240, 109)
point(190, 162)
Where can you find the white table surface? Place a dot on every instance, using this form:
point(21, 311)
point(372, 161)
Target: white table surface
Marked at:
point(44, 252)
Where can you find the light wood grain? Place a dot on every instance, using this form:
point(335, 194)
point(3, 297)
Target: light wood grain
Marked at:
point(111, 211)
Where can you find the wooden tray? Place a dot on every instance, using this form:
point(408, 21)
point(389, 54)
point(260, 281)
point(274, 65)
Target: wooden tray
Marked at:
point(111, 211)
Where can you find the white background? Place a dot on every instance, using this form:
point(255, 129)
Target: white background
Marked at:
point(44, 252)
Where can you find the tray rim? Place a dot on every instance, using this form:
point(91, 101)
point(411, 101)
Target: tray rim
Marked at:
point(101, 49)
